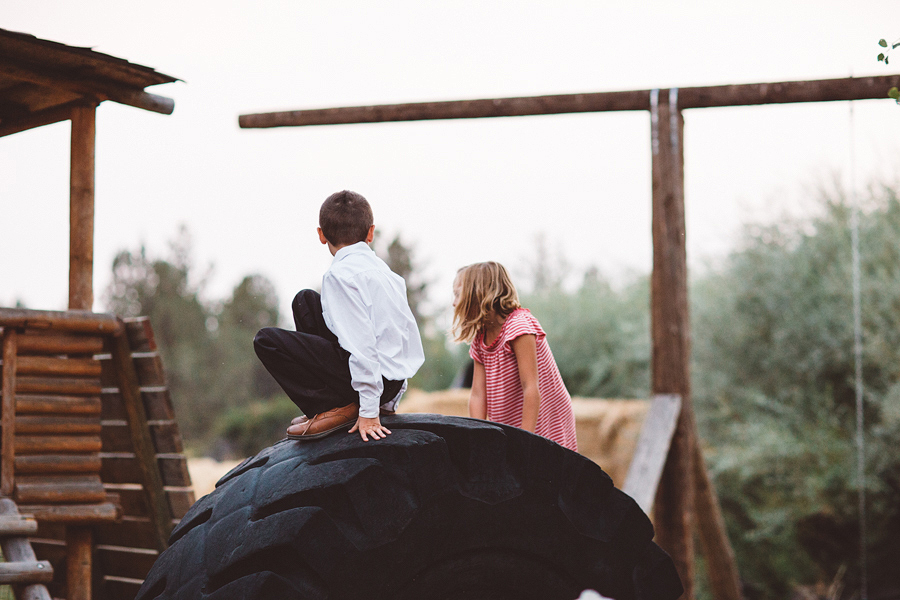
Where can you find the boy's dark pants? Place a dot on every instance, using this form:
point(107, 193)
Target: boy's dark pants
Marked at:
point(309, 364)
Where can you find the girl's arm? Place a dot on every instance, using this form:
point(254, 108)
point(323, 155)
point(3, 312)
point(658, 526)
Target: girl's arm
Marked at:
point(525, 349)
point(478, 397)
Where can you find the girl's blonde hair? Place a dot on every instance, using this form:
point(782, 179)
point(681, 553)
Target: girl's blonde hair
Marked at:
point(485, 290)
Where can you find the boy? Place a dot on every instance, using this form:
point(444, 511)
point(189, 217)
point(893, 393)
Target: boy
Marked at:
point(356, 344)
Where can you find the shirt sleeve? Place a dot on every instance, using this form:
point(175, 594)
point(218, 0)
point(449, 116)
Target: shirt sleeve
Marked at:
point(475, 351)
point(347, 315)
point(521, 323)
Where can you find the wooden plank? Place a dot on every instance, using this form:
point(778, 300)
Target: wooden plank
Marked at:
point(69, 321)
point(79, 562)
point(670, 332)
point(117, 436)
point(37, 571)
point(17, 525)
point(73, 513)
point(19, 549)
point(652, 449)
point(51, 444)
point(721, 566)
point(8, 412)
point(144, 451)
point(45, 365)
point(120, 561)
point(122, 467)
point(38, 119)
point(55, 342)
point(131, 532)
point(860, 88)
point(120, 587)
point(140, 334)
point(81, 208)
point(68, 386)
point(149, 368)
point(134, 502)
point(90, 89)
point(157, 405)
point(44, 404)
point(72, 425)
point(59, 489)
point(58, 463)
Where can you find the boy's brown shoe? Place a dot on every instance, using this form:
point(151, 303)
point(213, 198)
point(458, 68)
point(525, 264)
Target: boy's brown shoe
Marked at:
point(322, 424)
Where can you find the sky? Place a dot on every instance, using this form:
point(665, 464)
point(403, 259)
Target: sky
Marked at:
point(457, 191)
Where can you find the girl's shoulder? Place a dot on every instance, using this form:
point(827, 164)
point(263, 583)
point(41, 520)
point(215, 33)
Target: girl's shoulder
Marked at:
point(521, 322)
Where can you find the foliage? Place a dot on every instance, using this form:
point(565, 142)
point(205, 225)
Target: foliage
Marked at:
point(775, 399)
point(599, 336)
point(206, 347)
point(441, 364)
point(885, 56)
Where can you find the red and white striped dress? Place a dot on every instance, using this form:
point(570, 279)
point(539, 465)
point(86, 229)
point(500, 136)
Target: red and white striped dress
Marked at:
point(504, 390)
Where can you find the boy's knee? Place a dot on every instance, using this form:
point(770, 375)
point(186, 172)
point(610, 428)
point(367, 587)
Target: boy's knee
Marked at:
point(263, 340)
point(305, 297)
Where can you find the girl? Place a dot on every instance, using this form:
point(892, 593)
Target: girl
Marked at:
point(516, 381)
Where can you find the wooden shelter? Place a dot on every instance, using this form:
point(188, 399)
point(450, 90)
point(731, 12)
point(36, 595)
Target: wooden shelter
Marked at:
point(90, 446)
point(685, 501)
point(44, 82)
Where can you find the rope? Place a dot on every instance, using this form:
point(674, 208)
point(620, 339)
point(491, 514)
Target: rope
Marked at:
point(857, 359)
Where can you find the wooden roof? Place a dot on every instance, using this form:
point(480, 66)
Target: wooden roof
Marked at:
point(41, 80)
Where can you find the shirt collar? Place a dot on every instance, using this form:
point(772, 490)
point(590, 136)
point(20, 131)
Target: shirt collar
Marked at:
point(346, 251)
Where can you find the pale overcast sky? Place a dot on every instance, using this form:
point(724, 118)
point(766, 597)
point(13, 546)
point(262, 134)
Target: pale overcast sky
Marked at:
point(459, 191)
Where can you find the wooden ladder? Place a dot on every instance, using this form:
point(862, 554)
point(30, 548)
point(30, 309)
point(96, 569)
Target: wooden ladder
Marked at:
point(21, 567)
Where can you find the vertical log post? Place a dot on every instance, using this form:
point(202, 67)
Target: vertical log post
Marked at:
point(671, 332)
point(79, 548)
point(81, 208)
point(721, 566)
point(8, 440)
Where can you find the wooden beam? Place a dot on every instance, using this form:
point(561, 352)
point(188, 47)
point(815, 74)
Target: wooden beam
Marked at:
point(721, 566)
point(651, 450)
point(19, 549)
point(144, 449)
point(857, 88)
point(670, 332)
point(8, 415)
point(81, 209)
point(9, 126)
point(79, 554)
point(70, 321)
point(96, 91)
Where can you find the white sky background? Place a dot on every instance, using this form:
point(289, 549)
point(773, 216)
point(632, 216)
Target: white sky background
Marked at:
point(459, 191)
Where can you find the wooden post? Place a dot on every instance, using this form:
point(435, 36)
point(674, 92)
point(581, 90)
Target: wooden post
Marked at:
point(721, 566)
point(79, 549)
point(8, 441)
point(670, 359)
point(81, 209)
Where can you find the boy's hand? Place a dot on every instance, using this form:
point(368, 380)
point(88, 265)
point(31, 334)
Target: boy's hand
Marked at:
point(371, 427)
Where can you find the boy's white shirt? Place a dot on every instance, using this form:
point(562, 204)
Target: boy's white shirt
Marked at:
point(364, 304)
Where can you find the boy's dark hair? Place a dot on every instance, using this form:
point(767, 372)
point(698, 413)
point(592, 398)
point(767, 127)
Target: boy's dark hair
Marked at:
point(345, 218)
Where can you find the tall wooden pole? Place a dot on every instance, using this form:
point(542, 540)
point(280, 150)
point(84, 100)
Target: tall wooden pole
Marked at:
point(80, 538)
point(670, 358)
point(81, 209)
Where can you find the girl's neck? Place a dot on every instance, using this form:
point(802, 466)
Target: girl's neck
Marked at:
point(492, 326)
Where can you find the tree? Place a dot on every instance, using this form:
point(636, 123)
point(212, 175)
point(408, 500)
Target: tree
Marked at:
point(774, 395)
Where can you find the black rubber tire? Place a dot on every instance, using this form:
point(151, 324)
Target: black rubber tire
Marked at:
point(444, 508)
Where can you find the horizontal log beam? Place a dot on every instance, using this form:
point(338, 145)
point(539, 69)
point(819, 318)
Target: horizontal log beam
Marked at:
point(46, 404)
point(73, 513)
point(51, 444)
point(825, 90)
point(52, 342)
point(72, 321)
point(47, 365)
point(12, 525)
point(38, 571)
point(58, 463)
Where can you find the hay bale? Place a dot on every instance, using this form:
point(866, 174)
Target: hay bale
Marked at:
point(607, 430)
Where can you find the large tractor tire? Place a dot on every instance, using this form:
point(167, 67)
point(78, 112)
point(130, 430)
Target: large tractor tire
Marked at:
point(444, 508)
